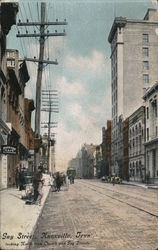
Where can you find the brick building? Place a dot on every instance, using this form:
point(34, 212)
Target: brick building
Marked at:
point(8, 13)
point(17, 78)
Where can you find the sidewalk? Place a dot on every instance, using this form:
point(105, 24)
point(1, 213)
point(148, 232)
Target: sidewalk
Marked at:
point(143, 185)
point(18, 220)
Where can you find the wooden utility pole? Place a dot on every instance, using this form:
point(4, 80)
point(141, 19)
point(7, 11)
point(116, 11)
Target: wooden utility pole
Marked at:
point(42, 35)
point(50, 104)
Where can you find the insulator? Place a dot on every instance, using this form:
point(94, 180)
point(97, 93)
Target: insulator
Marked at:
point(26, 31)
point(47, 31)
point(27, 20)
point(34, 57)
point(56, 20)
point(34, 31)
point(18, 32)
point(65, 20)
point(55, 30)
point(64, 31)
point(19, 21)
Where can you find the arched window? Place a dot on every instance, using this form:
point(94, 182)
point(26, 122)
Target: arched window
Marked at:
point(136, 130)
point(140, 127)
point(133, 131)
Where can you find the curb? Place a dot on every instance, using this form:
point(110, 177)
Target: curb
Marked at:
point(133, 184)
point(141, 186)
point(35, 226)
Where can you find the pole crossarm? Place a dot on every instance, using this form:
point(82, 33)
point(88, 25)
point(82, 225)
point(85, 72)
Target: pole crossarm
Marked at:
point(49, 122)
point(47, 110)
point(42, 34)
point(50, 90)
point(52, 100)
point(40, 61)
point(50, 105)
point(49, 126)
point(39, 23)
point(47, 95)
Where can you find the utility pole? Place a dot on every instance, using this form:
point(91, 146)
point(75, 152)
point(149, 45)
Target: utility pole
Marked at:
point(42, 36)
point(50, 104)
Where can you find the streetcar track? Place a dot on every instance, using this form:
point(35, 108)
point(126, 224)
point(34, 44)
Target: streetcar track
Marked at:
point(127, 196)
point(123, 193)
point(121, 201)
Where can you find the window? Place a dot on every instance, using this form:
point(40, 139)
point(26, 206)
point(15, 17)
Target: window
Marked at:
point(136, 130)
point(154, 106)
point(145, 65)
point(146, 78)
point(145, 52)
point(140, 128)
point(145, 38)
point(147, 133)
point(147, 113)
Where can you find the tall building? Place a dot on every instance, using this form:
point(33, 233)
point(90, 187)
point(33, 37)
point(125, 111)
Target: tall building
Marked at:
point(134, 60)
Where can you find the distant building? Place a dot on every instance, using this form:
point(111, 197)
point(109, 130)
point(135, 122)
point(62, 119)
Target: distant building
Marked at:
point(134, 60)
point(151, 138)
point(98, 162)
point(88, 160)
point(108, 149)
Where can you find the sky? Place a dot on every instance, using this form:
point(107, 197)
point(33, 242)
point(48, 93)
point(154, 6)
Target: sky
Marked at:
point(83, 75)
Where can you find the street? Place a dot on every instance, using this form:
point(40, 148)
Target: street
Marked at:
point(94, 215)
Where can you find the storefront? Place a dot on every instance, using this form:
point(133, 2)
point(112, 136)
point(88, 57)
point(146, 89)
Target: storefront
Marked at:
point(4, 131)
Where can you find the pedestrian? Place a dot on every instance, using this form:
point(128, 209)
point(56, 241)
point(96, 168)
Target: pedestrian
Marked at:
point(58, 181)
point(113, 181)
point(36, 180)
point(17, 177)
point(40, 191)
point(54, 186)
point(21, 180)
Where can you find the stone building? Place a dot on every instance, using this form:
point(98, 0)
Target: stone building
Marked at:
point(136, 145)
point(151, 137)
point(8, 13)
point(134, 60)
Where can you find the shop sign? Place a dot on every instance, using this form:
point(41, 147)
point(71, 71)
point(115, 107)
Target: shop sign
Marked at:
point(9, 150)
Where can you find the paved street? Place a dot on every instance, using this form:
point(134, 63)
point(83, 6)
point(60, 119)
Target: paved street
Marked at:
point(94, 215)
